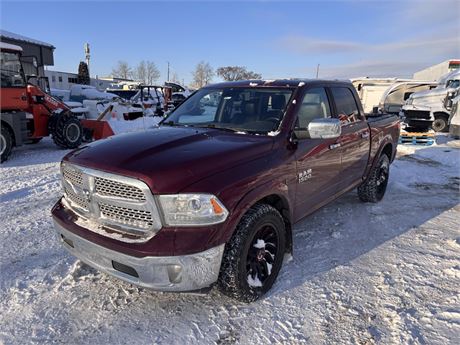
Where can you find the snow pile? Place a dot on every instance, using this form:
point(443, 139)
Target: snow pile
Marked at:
point(385, 273)
point(140, 124)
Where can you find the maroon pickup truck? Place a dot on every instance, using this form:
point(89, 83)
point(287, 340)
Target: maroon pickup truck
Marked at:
point(212, 193)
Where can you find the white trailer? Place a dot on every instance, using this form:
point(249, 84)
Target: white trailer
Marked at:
point(371, 90)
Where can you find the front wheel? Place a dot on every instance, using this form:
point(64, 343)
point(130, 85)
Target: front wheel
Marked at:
point(254, 255)
point(67, 131)
point(6, 143)
point(375, 186)
point(440, 124)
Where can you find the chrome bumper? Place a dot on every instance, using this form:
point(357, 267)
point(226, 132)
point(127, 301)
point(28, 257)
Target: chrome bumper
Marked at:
point(164, 273)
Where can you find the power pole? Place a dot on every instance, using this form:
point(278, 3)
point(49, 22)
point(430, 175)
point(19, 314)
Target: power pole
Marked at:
point(168, 72)
point(317, 71)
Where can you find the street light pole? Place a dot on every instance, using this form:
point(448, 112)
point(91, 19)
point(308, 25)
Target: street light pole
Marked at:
point(317, 71)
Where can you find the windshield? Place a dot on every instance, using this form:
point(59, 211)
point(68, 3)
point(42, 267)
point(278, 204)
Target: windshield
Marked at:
point(250, 110)
point(11, 70)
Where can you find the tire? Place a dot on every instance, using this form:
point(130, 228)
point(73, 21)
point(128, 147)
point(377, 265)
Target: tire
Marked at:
point(254, 255)
point(440, 123)
point(67, 131)
point(373, 189)
point(6, 143)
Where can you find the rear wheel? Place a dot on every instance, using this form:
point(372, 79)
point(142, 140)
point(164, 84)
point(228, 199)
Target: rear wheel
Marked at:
point(67, 131)
point(374, 188)
point(6, 143)
point(254, 255)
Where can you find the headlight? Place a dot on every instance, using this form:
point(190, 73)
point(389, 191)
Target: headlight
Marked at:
point(192, 209)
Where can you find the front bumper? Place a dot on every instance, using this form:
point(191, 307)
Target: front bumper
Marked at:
point(164, 273)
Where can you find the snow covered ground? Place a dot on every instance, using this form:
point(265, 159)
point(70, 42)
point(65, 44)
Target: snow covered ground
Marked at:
point(387, 273)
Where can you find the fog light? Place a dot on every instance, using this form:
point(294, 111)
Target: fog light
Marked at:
point(175, 273)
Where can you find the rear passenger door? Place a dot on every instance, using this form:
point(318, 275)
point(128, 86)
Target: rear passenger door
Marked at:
point(318, 167)
point(355, 138)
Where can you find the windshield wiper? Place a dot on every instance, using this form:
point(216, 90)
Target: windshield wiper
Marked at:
point(228, 129)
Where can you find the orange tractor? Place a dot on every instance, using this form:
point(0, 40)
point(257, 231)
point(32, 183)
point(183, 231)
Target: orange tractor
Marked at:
point(28, 113)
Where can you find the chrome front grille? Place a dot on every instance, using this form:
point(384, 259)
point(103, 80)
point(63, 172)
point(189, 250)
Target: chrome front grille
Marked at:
point(117, 189)
point(122, 205)
point(76, 199)
point(73, 176)
point(140, 218)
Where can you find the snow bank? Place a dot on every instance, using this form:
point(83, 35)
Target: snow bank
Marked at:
point(385, 273)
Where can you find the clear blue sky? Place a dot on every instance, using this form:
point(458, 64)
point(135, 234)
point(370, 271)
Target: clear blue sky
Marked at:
point(276, 39)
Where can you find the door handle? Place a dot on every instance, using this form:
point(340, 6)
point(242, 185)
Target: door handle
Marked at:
point(334, 146)
point(365, 135)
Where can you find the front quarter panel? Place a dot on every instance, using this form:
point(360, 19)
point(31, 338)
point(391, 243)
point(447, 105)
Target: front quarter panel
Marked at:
point(241, 187)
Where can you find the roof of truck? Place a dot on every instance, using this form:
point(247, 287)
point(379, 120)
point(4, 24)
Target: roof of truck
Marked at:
point(288, 83)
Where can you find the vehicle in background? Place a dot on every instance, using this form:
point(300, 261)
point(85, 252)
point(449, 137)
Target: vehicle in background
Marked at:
point(28, 113)
point(395, 96)
point(426, 109)
point(371, 90)
point(179, 93)
point(452, 104)
point(178, 89)
point(437, 71)
point(212, 193)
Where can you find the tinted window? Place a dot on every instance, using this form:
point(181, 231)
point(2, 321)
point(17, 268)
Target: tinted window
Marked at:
point(314, 105)
point(347, 109)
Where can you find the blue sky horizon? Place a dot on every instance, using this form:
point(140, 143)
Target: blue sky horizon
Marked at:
point(277, 39)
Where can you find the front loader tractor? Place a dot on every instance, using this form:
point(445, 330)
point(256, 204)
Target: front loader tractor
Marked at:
point(28, 113)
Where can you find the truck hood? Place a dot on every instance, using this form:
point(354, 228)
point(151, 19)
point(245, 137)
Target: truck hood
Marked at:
point(429, 93)
point(169, 159)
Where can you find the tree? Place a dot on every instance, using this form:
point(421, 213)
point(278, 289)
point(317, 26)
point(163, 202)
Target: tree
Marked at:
point(146, 72)
point(232, 73)
point(83, 74)
point(152, 73)
point(139, 73)
point(174, 78)
point(202, 75)
point(122, 70)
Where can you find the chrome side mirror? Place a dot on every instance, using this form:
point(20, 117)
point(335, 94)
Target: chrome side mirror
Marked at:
point(324, 128)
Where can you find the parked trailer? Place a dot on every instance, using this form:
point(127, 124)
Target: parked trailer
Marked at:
point(371, 90)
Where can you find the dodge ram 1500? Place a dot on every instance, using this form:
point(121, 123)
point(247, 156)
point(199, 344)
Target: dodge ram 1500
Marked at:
point(212, 193)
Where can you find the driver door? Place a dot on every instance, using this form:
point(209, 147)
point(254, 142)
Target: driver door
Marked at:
point(317, 160)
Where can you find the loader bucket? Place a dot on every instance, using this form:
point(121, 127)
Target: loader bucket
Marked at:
point(99, 129)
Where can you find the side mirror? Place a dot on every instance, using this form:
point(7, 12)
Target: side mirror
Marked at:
point(324, 128)
point(319, 129)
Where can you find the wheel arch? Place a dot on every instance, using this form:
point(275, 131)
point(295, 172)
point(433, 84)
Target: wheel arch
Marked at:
point(274, 194)
point(387, 150)
point(441, 114)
